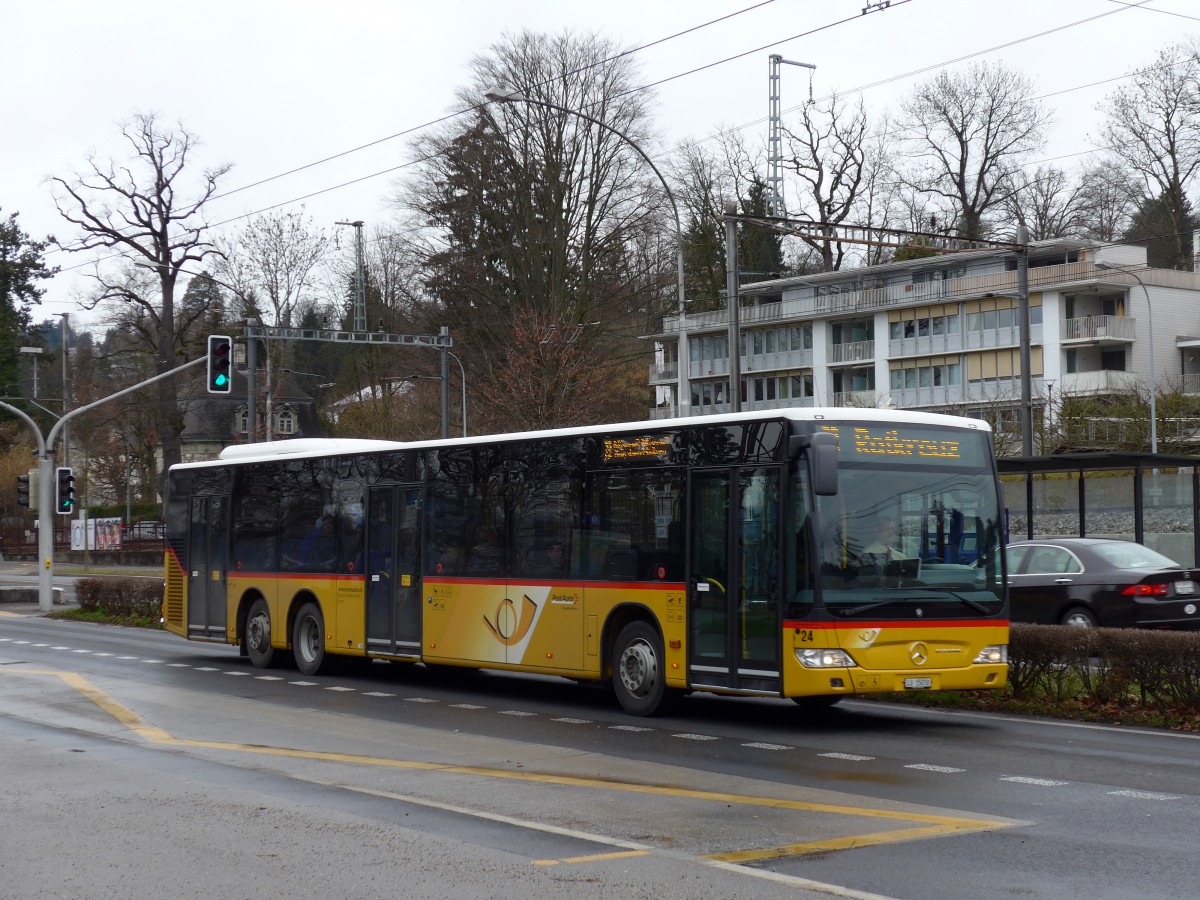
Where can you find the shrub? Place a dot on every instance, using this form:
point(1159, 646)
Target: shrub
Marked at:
point(121, 597)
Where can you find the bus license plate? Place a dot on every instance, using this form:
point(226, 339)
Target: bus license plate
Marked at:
point(918, 684)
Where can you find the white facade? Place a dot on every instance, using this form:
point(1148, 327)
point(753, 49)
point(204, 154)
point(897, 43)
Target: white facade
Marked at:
point(942, 334)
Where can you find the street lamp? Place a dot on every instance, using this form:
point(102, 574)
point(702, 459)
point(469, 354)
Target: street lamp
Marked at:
point(1150, 325)
point(496, 95)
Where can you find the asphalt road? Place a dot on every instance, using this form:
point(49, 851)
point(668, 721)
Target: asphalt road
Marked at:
point(165, 766)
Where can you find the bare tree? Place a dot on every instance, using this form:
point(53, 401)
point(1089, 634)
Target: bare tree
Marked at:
point(966, 136)
point(274, 257)
point(1108, 198)
point(1047, 203)
point(141, 210)
point(1152, 126)
point(829, 155)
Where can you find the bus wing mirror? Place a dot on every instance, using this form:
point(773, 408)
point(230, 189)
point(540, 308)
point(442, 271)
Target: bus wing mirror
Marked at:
point(822, 460)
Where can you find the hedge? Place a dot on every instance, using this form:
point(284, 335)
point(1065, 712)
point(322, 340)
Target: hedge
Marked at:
point(121, 597)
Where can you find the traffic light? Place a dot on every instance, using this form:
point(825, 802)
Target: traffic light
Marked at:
point(64, 491)
point(23, 496)
point(220, 364)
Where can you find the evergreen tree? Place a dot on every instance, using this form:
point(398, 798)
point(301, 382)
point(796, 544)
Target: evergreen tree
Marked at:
point(21, 268)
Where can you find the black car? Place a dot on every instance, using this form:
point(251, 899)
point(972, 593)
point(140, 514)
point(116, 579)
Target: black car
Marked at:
point(1091, 581)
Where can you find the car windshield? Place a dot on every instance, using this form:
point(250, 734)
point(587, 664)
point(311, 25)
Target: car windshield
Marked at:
point(906, 541)
point(1127, 555)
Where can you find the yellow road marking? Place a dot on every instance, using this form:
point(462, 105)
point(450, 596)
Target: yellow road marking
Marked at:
point(596, 857)
point(933, 825)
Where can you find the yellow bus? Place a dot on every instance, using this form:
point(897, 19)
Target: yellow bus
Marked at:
point(810, 553)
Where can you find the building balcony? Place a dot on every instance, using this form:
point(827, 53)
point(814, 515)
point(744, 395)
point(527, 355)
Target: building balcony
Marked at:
point(1102, 381)
point(856, 352)
point(664, 373)
point(858, 399)
point(1099, 330)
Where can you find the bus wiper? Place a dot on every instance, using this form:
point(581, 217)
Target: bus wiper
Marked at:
point(867, 607)
point(974, 604)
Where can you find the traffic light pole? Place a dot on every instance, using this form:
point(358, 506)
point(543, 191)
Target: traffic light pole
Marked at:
point(45, 455)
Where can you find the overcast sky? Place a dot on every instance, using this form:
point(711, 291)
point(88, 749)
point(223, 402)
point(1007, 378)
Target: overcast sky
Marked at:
point(272, 85)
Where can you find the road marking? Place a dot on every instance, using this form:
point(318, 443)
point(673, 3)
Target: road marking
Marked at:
point(199, 668)
point(596, 857)
point(1041, 782)
point(339, 688)
point(570, 721)
point(236, 673)
point(78, 651)
point(420, 700)
point(303, 683)
point(466, 706)
point(134, 657)
point(925, 767)
point(687, 736)
point(267, 678)
point(516, 712)
point(629, 728)
point(151, 661)
point(179, 665)
point(849, 757)
point(1144, 795)
point(758, 745)
point(377, 694)
point(930, 825)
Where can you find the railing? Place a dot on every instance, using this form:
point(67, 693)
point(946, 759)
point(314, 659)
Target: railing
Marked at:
point(1094, 328)
point(859, 351)
point(1101, 381)
point(857, 399)
point(661, 373)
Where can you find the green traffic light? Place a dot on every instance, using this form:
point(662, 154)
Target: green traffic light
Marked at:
point(220, 380)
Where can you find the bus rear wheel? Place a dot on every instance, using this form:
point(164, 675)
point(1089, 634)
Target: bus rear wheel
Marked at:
point(637, 669)
point(308, 639)
point(257, 637)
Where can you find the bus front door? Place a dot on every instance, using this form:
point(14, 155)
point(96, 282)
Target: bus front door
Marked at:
point(394, 570)
point(208, 555)
point(734, 580)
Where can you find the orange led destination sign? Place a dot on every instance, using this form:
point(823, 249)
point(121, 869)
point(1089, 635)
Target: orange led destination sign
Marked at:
point(625, 449)
point(897, 444)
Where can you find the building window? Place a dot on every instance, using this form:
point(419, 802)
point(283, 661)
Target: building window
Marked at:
point(243, 420)
point(285, 422)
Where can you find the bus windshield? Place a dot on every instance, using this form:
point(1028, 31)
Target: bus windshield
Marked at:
point(910, 541)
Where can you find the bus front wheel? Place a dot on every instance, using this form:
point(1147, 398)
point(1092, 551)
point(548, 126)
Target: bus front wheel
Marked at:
point(637, 669)
point(308, 639)
point(257, 639)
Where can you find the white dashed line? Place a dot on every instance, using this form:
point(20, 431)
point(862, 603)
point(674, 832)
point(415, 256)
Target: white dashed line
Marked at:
point(152, 661)
point(695, 737)
point(466, 706)
point(569, 721)
point(420, 700)
point(849, 757)
point(629, 728)
point(302, 683)
point(925, 767)
point(81, 651)
point(41, 645)
point(179, 665)
point(132, 657)
point(104, 654)
point(516, 712)
point(377, 694)
point(1144, 795)
point(338, 688)
point(68, 648)
point(198, 668)
point(267, 678)
point(1041, 782)
point(236, 673)
point(758, 745)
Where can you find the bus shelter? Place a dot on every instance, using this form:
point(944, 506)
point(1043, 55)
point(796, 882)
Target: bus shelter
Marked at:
point(1153, 499)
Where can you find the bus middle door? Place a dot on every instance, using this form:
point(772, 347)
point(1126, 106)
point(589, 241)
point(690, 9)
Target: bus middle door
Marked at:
point(734, 579)
point(393, 573)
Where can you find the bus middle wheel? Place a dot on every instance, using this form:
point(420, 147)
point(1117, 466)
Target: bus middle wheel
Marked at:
point(308, 639)
point(257, 638)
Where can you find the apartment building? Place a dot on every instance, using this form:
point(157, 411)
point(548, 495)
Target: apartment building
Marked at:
point(943, 334)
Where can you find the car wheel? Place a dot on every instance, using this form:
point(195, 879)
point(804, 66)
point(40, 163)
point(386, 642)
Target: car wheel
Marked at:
point(308, 639)
point(1078, 617)
point(257, 638)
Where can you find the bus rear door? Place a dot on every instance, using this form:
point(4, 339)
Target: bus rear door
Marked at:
point(734, 580)
point(208, 556)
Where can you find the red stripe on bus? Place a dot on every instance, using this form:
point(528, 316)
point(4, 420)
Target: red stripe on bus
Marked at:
point(619, 585)
point(294, 576)
point(907, 623)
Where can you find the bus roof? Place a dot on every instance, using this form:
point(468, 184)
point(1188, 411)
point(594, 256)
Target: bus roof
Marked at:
point(310, 447)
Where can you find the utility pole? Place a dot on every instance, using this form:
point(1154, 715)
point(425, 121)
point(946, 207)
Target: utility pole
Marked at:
point(775, 205)
point(360, 280)
point(733, 304)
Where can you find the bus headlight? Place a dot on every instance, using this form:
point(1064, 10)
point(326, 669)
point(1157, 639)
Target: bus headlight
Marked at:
point(825, 659)
point(992, 654)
